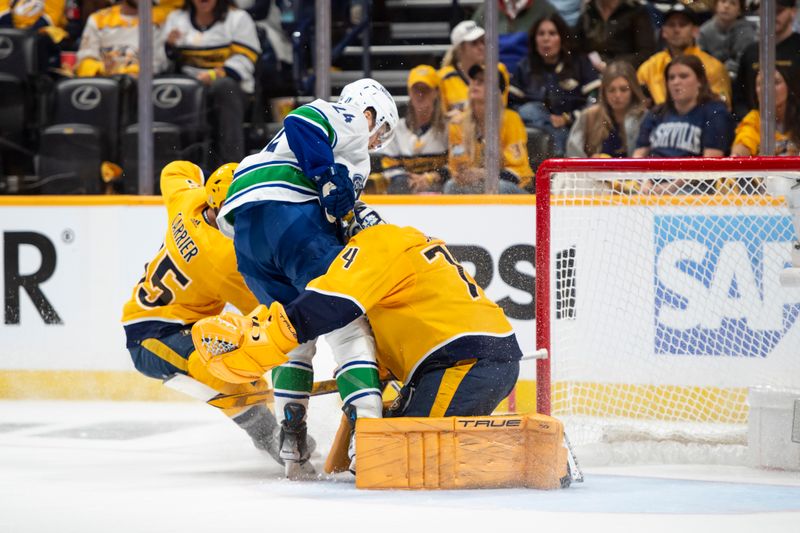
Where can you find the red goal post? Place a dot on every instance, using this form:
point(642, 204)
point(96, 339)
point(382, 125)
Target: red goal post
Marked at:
point(621, 169)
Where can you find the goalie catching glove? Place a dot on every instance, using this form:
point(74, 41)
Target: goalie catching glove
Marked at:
point(240, 349)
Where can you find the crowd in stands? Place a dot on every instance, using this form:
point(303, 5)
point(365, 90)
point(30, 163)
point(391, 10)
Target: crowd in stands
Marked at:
point(597, 78)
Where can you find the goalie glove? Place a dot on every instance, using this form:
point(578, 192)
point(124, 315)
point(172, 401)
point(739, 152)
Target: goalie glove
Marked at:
point(240, 349)
point(336, 191)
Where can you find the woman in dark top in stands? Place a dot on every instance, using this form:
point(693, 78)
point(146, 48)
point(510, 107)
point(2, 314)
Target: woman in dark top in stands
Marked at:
point(693, 122)
point(555, 80)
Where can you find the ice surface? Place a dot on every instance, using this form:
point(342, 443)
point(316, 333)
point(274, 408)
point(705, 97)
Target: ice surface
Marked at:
point(117, 467)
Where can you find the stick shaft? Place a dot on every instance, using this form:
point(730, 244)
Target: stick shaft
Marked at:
point(245, 399)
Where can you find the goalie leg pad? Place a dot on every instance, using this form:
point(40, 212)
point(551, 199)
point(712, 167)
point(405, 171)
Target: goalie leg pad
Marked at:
point(240, 349)
point(461, 452)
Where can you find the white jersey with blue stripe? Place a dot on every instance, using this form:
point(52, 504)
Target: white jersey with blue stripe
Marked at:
point(314, 136)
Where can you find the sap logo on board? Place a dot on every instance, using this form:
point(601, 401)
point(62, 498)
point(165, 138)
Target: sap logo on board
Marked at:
point(717, 290)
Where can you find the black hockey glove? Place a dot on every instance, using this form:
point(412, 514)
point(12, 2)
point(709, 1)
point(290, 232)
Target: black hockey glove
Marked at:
point(336, 192)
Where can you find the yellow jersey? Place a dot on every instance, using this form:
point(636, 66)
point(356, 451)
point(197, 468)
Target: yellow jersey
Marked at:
point(419, 300)
point(748, 134)
point(110, 43)
point(34, 13)
point(651, 75)
point(453, 88)
point(194, 273)
point(513, 145)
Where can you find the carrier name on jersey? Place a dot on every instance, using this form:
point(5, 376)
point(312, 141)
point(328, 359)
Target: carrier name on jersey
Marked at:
point(183, 241)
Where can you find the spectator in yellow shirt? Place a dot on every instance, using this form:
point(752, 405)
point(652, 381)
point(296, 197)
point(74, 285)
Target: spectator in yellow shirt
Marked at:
point(466, 143)
point(110, 41)
point(46, 17)
point(415, 161)
point(679, 31)
point(747, 141)
point(468, 49)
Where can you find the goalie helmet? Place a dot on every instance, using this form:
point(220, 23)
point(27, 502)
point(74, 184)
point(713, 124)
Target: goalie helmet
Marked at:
point(367, 93)
point(363, 217)
point(218, 183)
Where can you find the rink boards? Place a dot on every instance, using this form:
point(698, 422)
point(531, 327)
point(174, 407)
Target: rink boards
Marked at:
point(71, 262)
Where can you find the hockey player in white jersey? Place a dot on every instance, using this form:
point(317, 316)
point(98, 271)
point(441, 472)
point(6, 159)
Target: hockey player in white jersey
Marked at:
point(281, 211)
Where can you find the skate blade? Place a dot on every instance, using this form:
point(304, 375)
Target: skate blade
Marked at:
point(299, 471)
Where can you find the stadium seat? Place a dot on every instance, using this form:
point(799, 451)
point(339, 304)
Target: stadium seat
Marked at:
point(18, 72)
point(180, 130)
point(70, 159)
point(166, 148)
point(19, 56)
point(83, 132)
point(540, 146)
point(14, 108)
point(181, 101)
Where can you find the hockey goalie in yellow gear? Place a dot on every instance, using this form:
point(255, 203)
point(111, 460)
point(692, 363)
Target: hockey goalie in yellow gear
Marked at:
point(435, 329)
point(192, 276)
point(438, 333)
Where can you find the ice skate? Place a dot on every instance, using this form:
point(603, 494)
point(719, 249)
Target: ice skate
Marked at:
point(260, 424)
point(294, 449)
point(350, 412)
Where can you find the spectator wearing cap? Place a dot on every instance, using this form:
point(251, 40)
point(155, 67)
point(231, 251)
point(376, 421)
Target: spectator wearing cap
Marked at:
point(517, 16)
point(466, 134)
point(787, 55)
point(679, 32)
point(616, 30)
point(415, 161)
point(468, 47)
point(556, 82)
point(727, 33)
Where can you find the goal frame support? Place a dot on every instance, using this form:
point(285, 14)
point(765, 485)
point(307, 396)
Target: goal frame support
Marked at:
point(620, 166)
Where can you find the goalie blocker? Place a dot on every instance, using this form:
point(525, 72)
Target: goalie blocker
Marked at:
point(461, 452)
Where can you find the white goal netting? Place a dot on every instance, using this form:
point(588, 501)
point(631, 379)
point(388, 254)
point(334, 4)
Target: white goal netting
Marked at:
point(665, 307)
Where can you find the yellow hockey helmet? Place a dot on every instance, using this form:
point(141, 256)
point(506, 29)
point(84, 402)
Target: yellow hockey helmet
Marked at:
point(217, 184)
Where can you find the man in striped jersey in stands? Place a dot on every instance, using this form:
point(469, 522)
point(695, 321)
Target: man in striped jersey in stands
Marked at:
point(217, 44)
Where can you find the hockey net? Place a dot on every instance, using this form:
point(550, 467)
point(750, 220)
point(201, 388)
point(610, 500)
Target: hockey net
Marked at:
point(659, 302)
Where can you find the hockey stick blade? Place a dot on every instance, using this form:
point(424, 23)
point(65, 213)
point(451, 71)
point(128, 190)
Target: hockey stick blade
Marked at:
point(190, 386)
point(245, 399)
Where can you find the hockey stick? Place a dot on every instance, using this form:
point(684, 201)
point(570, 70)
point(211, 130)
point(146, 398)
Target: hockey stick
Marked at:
point(244, 399)
point(541, 353)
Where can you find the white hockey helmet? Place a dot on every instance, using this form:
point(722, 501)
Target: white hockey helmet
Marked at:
point(367, 93)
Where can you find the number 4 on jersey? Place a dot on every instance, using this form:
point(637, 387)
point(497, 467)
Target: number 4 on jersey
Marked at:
point(349, 256)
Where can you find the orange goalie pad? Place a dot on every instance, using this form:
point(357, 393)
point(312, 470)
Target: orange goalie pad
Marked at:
point(460, 452)
point(338, 460)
